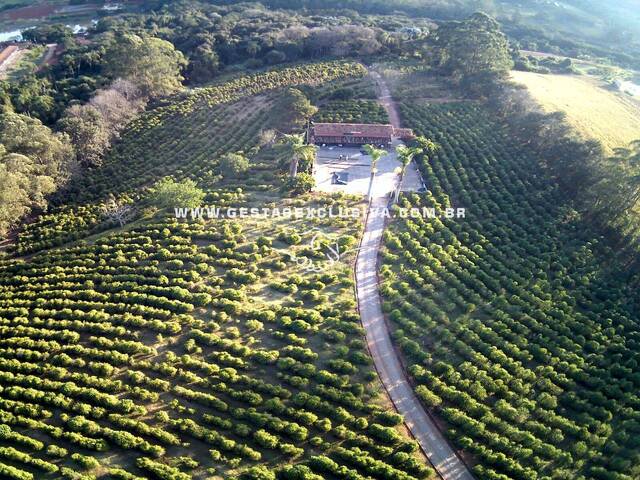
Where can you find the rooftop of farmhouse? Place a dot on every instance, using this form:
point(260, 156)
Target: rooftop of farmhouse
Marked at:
point(357, 133)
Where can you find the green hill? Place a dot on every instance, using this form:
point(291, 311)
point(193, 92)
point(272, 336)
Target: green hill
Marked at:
point(193, 348)
point(516, 324)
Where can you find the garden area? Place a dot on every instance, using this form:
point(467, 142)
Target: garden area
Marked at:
point(198, 348)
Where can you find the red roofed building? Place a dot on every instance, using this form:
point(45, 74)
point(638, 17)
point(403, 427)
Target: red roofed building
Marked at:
point(403, 133)
point(355, 133)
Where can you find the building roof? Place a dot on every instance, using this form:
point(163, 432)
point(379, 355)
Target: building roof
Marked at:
point(356, 129)
point(403, 133)
point(371, 130)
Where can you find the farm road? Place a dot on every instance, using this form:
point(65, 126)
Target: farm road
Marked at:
point(440, 453)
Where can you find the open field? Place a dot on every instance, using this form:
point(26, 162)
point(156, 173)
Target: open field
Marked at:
point(594, 111)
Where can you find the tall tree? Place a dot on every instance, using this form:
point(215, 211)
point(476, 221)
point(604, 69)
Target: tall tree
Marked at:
point(405, 155)
point(204, 63)
point(375, 154)
point(22, 188)
point(474, 50)
point(618, 192)
point(33, 162)
point(51, 153)
point(93, 126)
point(152, 63)
point(88, 132)
point(296, 109)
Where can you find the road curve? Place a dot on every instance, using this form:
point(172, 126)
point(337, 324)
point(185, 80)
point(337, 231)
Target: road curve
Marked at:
point(440, 453)
point(434, 445)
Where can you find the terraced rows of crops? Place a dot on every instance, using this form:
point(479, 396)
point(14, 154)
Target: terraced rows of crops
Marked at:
point(180, 350)
point(352, 111)
point(517, 330)
point(182, 148)
point(184, 139)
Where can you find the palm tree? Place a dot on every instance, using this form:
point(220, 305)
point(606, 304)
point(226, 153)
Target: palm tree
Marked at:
point(375, 154)
point(405, 155)
point(300, 150)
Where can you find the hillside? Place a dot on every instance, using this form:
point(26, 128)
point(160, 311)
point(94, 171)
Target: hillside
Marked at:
point(516, 325)
point(594, 111)
point(194, 348)
point(328, 241)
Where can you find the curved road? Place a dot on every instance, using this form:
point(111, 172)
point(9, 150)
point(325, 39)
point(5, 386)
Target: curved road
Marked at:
point(440, 453)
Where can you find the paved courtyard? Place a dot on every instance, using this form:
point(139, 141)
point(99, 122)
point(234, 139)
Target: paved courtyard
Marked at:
point(354, 167)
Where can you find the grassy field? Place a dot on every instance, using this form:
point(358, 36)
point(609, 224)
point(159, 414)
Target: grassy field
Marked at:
point(594, 111)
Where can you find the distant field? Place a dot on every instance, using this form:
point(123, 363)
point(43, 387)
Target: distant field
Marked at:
point(594, 111)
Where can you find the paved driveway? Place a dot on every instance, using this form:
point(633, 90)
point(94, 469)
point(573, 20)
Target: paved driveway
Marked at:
point(387, 363)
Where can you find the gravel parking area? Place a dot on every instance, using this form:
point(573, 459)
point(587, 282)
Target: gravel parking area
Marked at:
point(354, 168)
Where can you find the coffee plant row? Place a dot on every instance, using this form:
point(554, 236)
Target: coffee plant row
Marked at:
point(184, 139)
point(517, 330)
point(180, 349)
point(351, 111)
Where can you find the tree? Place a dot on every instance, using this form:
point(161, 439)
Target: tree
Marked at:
point(300, 152)
point(204, 64)
point(54, 33)
point(51, 153)
point(21, 188)
point(620, 184)
point(375, 154)
point(405, 155)
point(33, 95)
point(88, 132)
point(275, 56)
point(472, 50)
point(233, 164)
point(92, 127)
point(301, 183)
point(117, 212)
point(168, 193)
point(118, 104)
point(296, 108)
point(151, 63)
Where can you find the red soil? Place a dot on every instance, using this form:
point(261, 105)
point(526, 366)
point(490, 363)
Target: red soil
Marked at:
point(34, 11)
point(6, 53)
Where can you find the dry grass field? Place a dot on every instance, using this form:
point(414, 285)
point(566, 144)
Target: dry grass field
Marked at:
point(596, 112)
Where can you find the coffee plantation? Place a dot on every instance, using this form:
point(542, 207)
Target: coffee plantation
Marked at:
point(515, 327)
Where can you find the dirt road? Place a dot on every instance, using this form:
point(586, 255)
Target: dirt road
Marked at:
point(386, 100)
